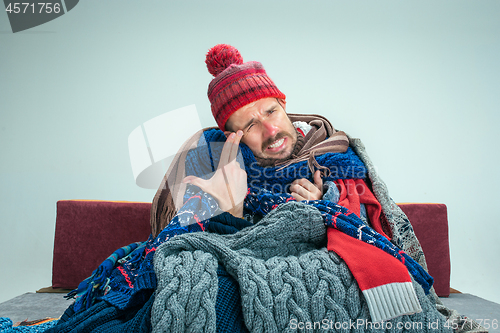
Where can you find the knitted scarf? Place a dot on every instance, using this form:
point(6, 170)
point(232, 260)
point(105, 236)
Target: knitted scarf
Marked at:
point(105, 318)
point(268, 189)
point(385, 289)
point(129, 281)
point(88, 289)
point(322, 138)
point(285, 274)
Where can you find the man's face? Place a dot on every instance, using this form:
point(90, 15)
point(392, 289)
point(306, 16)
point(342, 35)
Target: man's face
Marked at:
point(267, 130)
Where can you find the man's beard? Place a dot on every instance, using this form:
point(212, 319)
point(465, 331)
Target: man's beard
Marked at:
point(278, 136)
point(271, 161)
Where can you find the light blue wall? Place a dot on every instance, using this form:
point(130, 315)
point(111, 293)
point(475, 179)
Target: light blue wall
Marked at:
point(418, 81)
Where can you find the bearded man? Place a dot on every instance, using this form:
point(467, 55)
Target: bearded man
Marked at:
point(302, 233)
point(266, 162)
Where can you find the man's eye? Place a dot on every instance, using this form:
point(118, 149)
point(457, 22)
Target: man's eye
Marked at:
point(249, 127)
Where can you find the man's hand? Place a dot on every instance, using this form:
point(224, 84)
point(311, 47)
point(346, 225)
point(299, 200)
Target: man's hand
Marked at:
point(229, 183)
point(303, 189)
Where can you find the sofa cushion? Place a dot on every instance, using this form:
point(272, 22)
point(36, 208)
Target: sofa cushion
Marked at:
point(88, 231)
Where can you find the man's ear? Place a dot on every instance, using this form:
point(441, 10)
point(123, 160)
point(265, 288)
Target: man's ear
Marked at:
point(227, 133)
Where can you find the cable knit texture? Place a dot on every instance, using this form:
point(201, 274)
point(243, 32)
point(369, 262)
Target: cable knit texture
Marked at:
point(285, 275)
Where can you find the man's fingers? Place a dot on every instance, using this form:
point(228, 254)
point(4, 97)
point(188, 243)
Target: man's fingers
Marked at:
point(306, 190)
point(226, 149)
point(317, 180)
point(305, 184)
point(230, 148)
point(297, 197)
point(299, 192)
point(196, 181)
point(235, 146)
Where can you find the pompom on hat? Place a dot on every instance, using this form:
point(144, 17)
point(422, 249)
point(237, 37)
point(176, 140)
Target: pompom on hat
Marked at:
point(236, 83)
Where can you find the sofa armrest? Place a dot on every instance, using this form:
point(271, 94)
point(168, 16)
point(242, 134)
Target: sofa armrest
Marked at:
point(88, 231)
point(430, 223)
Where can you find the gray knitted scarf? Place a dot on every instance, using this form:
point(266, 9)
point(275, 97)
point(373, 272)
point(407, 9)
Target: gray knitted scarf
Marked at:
point(286, 276)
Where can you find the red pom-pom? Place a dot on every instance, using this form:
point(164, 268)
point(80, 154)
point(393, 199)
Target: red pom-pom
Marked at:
point(220, 57)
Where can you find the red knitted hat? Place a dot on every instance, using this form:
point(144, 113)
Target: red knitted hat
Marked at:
point(236, 84)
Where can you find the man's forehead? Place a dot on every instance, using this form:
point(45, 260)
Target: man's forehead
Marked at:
point(248, 106)
point(246, 113)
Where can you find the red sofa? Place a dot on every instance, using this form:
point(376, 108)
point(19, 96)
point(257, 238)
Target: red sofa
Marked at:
point(88, 231)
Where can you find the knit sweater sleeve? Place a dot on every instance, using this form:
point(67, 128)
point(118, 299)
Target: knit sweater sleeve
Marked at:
point(198, 207)
point(331, 192)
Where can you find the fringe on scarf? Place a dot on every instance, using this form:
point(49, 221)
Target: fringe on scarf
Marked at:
point(97, 284)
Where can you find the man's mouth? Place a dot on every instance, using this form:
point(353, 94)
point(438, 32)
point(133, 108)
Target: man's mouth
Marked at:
point(277, 145)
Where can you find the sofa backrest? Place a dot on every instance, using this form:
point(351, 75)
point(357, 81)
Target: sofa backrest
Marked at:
point(88, 231)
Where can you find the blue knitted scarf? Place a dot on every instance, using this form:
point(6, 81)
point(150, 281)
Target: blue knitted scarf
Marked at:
point(203, 161)
point(90, 288)
point(268, 187)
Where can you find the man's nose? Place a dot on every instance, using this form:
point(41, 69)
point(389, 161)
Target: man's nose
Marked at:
point(270, 129)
